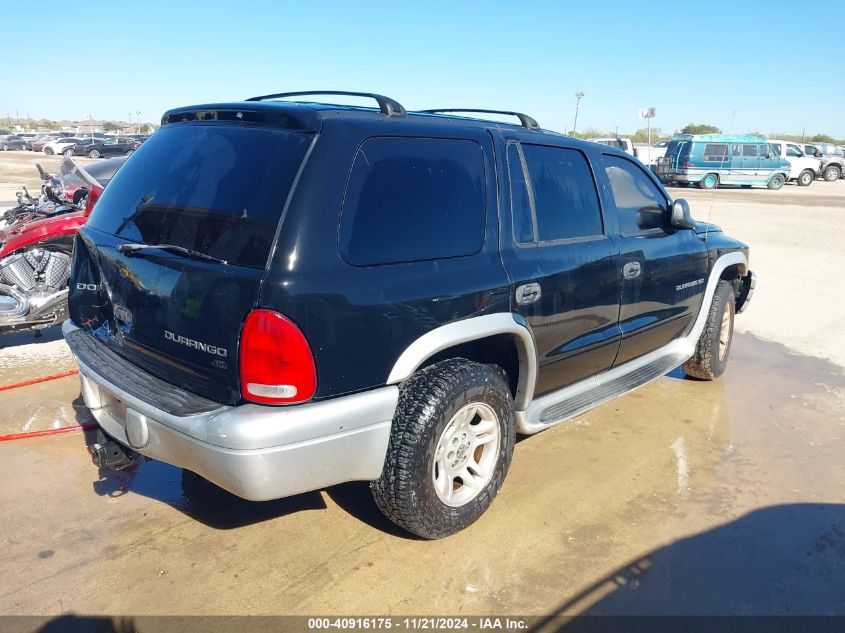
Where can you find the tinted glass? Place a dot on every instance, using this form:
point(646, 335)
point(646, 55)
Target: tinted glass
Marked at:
point(776, 148)
point(565, 199)
point(218, 189)
point(749, 151)
point(792, 150)
point(640, 204)
point(523, 227)
point(411, 199)
point(765, 151)
point(715, 151)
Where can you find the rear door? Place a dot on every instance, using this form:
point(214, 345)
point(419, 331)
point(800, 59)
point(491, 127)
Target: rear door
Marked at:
point(663, 272)
point(562, 266)
point(215, 189)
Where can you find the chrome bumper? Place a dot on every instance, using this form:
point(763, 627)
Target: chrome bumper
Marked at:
point(256, 452)
point(749, 283)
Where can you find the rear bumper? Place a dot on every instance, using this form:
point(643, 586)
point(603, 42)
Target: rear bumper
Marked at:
point(256, 452)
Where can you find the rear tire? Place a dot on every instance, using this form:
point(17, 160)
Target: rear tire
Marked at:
point(130, 152)
point(453, 417)
point(5, 147)
point(714, 345)
point(710, 181)
point(93, 154)
point(806, 178)
point(832, 173)
point(48, 151)
point(68, 152)
point(776, 182)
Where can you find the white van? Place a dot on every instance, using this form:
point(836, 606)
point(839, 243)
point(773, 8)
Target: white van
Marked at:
point(803, 169)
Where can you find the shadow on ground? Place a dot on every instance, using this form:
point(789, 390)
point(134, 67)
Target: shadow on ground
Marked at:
point(29, 337)
point(784, 560)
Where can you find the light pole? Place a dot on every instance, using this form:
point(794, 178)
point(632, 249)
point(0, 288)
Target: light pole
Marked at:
point(138, 120)
point(130, 120)
point(578, 96)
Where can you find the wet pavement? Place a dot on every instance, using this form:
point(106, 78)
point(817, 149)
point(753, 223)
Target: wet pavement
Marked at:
point(682, 497)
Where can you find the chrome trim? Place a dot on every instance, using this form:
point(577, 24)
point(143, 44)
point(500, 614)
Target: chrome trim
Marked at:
point(751, 286)
point(473, 329)
point(674, 353)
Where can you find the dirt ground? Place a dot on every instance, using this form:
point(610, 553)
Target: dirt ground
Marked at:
point(684, 497)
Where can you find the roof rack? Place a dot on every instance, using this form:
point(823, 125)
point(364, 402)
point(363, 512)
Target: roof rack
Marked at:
point(525, 120)
point(388, 106)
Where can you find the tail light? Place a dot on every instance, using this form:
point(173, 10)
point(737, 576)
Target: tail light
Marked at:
point(685, 164)
point(93, 195)
point(277, 366)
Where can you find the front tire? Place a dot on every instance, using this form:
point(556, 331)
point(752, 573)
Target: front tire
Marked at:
point(68, 152)
point(94, 154)
point(5, 147)
point(450, 448)
point(832, 173)
point(710, 181)
point(776, 182)
point(806, 178)
point(711, 352)
point(48, 151)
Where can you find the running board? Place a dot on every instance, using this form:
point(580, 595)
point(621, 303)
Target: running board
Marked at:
point(568, 402)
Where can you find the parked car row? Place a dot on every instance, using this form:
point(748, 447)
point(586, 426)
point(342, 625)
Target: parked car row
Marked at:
point(93, 145)
point(710, 160)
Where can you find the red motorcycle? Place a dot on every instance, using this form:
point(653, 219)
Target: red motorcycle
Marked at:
point(37, 244)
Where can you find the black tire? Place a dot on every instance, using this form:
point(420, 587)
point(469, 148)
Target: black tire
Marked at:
point(5, 147)
point(428, 400)
point(711, 355)
point(806, 178)
point(129, 152)
point(94, 154)
point(48, 151)
point(776, 182)
point(68, 152)
point(832, 173)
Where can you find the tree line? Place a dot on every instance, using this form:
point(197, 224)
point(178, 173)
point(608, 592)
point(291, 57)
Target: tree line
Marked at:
point(657, 134)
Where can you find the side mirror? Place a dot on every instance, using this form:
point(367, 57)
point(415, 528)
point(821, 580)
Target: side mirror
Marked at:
point(681, 218)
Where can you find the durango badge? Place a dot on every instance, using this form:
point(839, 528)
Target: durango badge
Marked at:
point(189, 342)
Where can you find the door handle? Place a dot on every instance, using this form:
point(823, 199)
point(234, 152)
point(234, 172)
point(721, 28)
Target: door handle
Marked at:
point(631, 270)
point(527, 293)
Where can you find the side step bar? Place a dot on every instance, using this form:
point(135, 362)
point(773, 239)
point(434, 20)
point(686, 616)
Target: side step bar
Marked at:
point(566, 403)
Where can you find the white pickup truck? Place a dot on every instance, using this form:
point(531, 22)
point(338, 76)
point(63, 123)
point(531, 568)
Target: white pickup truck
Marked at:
point(803, 169)
point(648, 154)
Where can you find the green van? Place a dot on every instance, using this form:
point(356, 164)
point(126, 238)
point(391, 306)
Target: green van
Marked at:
point(710, 160)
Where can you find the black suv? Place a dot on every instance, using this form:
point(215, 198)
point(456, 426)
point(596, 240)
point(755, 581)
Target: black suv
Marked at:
point(282, 296)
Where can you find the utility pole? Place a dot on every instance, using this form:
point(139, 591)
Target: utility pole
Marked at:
point(130, 120)
point(578, 96)
point(138, 120)
point(802, 133)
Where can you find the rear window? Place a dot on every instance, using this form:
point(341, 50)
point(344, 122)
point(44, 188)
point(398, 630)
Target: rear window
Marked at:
point(217, 189)
point(411, 199)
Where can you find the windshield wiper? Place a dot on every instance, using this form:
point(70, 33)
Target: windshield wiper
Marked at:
point(129, 249)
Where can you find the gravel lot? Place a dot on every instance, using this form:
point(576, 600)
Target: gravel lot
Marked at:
point(682, 497)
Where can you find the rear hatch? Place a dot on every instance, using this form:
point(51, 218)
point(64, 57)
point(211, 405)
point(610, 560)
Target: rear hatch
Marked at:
point(172, 258)
point(676, 157)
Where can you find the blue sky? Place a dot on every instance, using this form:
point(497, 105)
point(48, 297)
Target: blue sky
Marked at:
point(693, 61)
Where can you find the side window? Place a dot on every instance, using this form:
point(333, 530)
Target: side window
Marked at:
point(523, 226)
point(566, 203)
point(776, 148)
point(715, 151)
point(411, 199)
point(640, 204)
point(749, 150)
point(765, 151)
point(792, 150)
point(736, 149)
point(811, 150)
